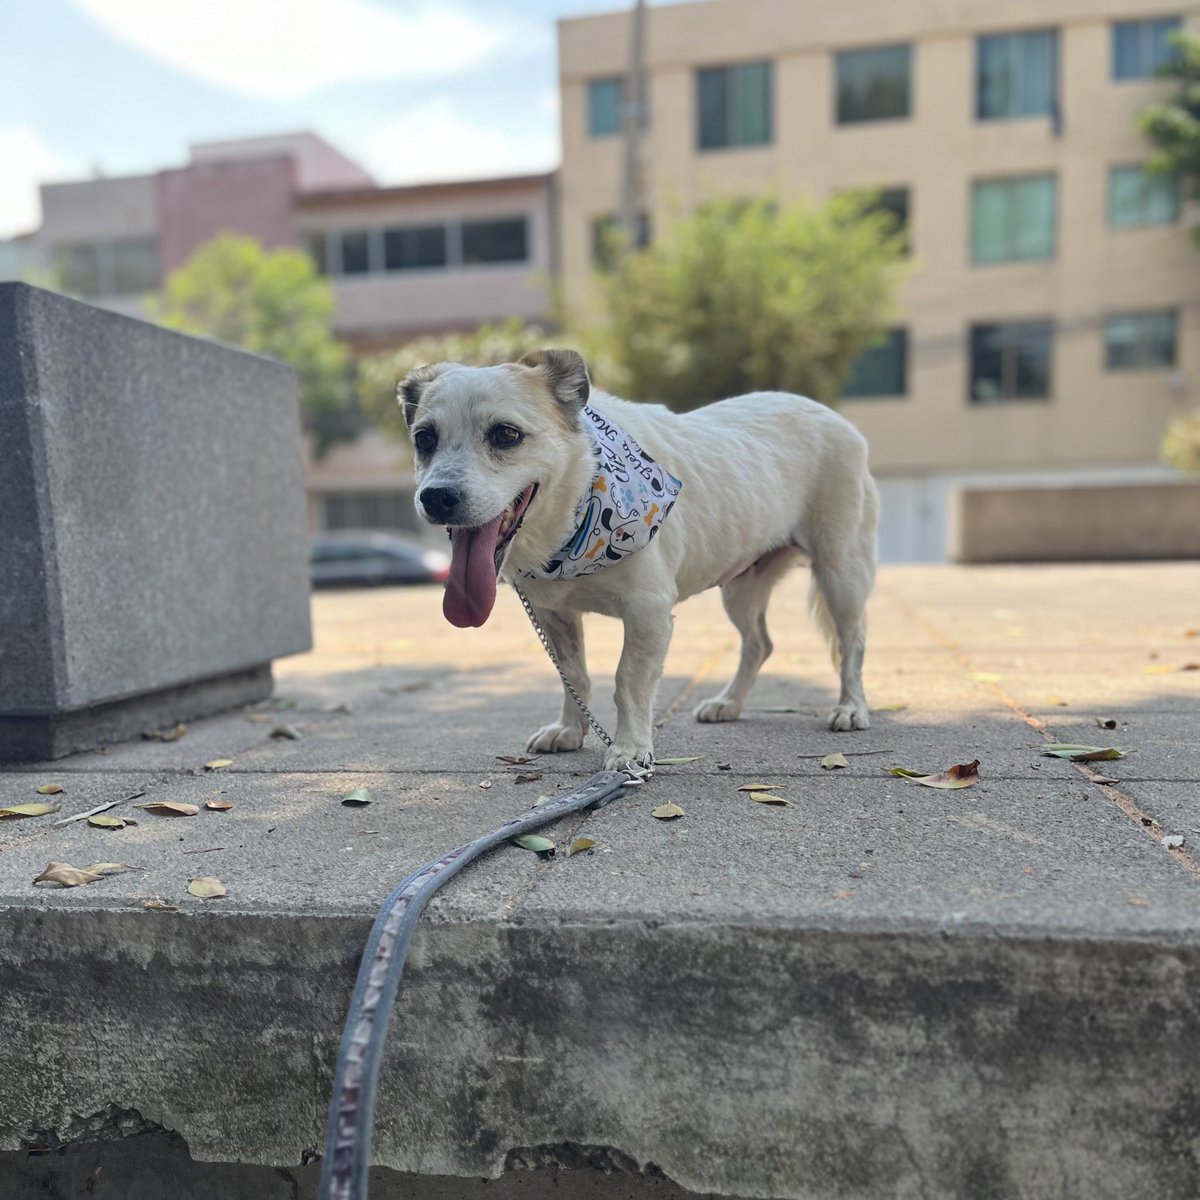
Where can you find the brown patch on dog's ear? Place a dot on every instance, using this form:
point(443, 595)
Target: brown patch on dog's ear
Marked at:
point(410, 388)
point(565, 372)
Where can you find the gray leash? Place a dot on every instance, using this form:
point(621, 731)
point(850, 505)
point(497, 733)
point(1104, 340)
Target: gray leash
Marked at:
point(351, 1120)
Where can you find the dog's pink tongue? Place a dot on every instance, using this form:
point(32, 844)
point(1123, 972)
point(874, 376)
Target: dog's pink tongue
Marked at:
point(471, 588)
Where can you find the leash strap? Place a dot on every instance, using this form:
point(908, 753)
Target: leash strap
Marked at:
point(356, 1078)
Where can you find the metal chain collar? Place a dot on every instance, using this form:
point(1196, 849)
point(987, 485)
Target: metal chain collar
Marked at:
point(597, 728)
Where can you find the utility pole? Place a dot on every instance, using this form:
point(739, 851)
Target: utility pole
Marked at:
point(632, 124)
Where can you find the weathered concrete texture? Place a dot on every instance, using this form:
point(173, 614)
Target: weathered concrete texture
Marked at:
point(881, 992)
point(152, 500)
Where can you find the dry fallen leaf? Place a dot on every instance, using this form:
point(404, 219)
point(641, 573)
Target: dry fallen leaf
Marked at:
point(960, 776)
point(160, 905)
point(779, 708)
point(516, 760)
point(485, 783)
point(290, 732)
point(206, 887)
point(49, 789)
point(170, 808)
point(534, 842)
point(541, 800)
point(580, 844)
point(768, 798)
point(66, 875)
point(759, 787)
point(667, 812)
point(527, 777)
point(677, 762)
point(359, 797)
point(832, 761)
point(1138, 901)
point(1106, 722)
point(103, 822)
point(1056, 700)
point(29, 810)
point(1104, 779)
point(724, 766)
point(218, 763)
point(111, 868)
point(166, 735)
point(1084, 753)
point(1190, 667)
point(217, 804)
point(1173, 841)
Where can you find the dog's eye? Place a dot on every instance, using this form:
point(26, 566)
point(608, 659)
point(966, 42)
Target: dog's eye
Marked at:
point(504, 435)
point(425, 441)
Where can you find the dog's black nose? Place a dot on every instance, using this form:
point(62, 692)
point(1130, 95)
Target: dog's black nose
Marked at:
point(440, 502)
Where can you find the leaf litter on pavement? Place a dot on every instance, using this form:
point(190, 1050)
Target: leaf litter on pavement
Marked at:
point(960, 776)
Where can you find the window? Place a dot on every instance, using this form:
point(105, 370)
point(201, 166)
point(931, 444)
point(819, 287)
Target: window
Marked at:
point(1138, 198)
point(495, 241)
point(1145, 339)
point(606, 234)
point(414, 248)
point(894, 202)
point(120, 268)
point(1012, 220)
point(881, 370)
point(734, 106)
point(605, 98)
point(1010, 362)
point(1139, 48)
point(1017, 75)
point(314, 246)
point(366, 510)
point(356, 252)
point(874, 85)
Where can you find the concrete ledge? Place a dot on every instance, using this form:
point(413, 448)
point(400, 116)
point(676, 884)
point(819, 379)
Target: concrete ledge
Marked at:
point(24, 739)
point(151, 512)
point(1109, 523)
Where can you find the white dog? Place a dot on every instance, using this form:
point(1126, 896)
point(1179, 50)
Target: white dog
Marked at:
point(594, 504)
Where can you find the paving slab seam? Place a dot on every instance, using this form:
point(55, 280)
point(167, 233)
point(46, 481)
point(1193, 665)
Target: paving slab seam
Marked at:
point(1127, 804)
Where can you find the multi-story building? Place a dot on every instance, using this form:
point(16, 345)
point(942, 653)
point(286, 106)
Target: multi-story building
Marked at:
point(1049, 326)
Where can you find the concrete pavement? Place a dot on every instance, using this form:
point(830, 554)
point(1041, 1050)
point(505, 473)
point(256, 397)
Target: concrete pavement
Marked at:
point(882, 990)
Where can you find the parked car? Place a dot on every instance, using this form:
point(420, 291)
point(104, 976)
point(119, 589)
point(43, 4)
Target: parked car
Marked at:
point(353, 558)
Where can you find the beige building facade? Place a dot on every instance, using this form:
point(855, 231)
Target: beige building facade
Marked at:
point(1050, 324)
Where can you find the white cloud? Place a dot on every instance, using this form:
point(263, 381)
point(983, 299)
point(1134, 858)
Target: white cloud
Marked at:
point(284, 50)
point(433, 143)
point(27, 161)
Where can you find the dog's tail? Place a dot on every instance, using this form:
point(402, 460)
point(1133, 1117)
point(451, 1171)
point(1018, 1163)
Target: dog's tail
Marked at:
point(824, 621)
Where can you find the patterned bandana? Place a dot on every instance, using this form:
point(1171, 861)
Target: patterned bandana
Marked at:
point(631, 497)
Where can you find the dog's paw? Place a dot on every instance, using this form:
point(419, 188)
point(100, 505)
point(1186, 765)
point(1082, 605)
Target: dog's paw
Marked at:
point(620, 757)
point(555, 739)
point(717, 709)
point(849, 716)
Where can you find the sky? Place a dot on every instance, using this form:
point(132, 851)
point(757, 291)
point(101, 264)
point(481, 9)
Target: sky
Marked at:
point(414, 90)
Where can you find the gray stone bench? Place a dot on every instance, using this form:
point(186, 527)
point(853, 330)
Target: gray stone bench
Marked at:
point(152, 529)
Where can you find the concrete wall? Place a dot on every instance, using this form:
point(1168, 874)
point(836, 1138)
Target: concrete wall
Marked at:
point(1094, 416)
point(386, 308)
point(1136, 521)
point(246, 196)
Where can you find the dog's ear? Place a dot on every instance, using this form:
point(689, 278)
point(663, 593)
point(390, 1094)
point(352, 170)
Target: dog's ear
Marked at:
point(410, 389)
point(565, 372)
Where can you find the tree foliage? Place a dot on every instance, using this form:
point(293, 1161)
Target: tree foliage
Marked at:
point(1174, 126)
point(741, 296)
point(1181, 445)
point(272, 302)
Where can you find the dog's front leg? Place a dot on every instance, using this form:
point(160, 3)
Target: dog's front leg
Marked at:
point(565, 631)
point(647, 636)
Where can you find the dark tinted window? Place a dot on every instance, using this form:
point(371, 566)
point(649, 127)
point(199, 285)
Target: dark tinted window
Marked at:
point(1010, 361)
point(495, 241)
point(874, 85)
point(414, 248)
point(881, 370)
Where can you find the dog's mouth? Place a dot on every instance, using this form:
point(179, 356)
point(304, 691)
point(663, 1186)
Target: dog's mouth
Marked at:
point(476, 558)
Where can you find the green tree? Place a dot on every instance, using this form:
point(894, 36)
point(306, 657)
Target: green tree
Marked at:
point(741, 296)
point(1173, 128)
point(272, 302)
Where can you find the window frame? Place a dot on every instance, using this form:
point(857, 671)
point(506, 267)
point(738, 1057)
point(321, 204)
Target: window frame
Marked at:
point(1146, 315)
point(842, 57)
point(731, 71)
point(1019, 35)
point(1169, 25)
point(510, 218)
point(618, 83)
point(1015, 227)
point(896, 335)
point(1146, 180)
point(975, 328)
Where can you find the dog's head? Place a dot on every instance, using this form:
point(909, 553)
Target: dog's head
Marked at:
point(501, 459)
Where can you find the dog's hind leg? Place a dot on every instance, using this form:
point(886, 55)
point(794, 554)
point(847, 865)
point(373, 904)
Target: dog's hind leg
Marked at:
point(565, 631)
point(843, 572)
point(745, 598)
